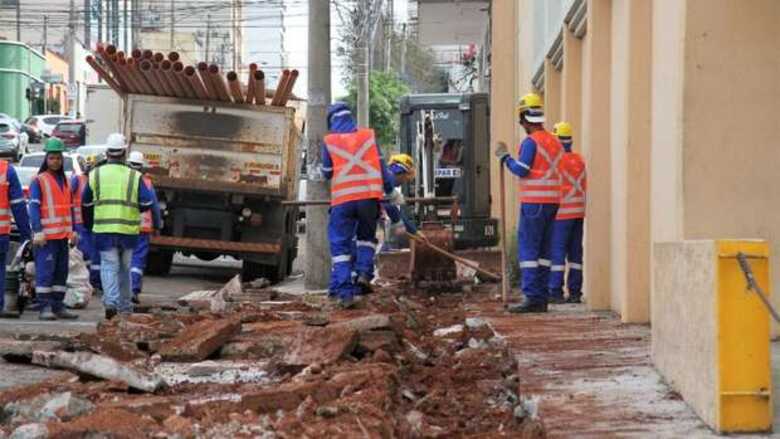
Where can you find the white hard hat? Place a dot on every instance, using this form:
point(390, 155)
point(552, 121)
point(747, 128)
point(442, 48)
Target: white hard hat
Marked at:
point(116, 141)
point(136, 158)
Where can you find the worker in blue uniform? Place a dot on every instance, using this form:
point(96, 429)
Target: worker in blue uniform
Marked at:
point(539, 188)
point(11, 202)
point(359, 182)
point(86, 241)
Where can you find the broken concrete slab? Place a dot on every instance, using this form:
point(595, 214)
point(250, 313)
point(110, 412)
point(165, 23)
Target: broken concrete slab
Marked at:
point(20, 351)
point(448, 331)
point(366, 323)
point(213, 300)
point(65, 406)
point(383, 339)
point(198, 341)
point(101, 367)
point(321, 345)
point(30, 431)
point(121, 350)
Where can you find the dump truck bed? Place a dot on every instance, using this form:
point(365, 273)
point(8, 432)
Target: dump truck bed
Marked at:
point(213, 146)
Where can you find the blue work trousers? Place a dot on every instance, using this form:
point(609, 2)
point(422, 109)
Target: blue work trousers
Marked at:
point(4, 258)
point(138, 265)
point(354, 220)
point(533, 248)
point(89, 252)
point(51, 274)
point(115, 275)
point(566, 246)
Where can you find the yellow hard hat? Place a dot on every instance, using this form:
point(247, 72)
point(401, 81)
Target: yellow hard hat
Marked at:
point(404, 160)
point(531, 103)
point(563, 129)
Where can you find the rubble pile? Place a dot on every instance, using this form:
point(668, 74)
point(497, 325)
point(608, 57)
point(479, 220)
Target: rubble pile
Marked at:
point(271, 365)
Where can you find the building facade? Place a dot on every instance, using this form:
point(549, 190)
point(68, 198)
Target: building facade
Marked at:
point(669, 100)
point(20, 68)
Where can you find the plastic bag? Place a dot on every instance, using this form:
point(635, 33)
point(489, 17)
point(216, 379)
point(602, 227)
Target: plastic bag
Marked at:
point(79, 290)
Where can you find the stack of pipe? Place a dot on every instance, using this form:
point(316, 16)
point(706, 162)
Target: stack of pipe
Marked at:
point(147, 73)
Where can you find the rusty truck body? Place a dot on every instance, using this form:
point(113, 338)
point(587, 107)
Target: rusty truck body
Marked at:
point(220, 171)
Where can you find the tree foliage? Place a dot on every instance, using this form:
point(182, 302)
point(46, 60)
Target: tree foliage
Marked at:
point(385, 90)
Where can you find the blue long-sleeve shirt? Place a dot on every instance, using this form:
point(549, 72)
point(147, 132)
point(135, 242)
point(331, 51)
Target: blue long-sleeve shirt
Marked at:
point(35, 203)
point(525, 158)
point(18, 206)
point(107, 241)
point(156, 215)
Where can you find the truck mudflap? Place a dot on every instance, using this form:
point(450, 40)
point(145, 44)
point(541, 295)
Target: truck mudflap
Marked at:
point(216, 245)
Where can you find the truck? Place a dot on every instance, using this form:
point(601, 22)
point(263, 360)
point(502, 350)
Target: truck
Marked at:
point(221, 171)
point(102, 113)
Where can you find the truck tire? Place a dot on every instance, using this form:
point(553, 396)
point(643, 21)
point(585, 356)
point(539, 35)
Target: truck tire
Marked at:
point(274, 273)
point(158, 263)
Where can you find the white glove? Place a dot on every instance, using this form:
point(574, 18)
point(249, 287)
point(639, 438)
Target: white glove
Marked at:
point(397, 197)
point(315, 173)
point(74, 240)
point(502, 151)
point(39, 239)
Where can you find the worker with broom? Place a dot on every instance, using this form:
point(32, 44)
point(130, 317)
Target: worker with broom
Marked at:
point(537, 168)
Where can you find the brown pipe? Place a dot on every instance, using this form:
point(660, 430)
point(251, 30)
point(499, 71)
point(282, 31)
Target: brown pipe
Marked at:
point(178, 74)
point(158, 57)
point(289, 88)
point(260, 87)
point(195, 82)
point(219, 83)
point(251, 84)
point(167, 71)
point(174, 56)
point(235, 87)
point(111, 49)
point(124, 73)
point(112, 63)
point(137, 54)
point(148, 72)
point(110, 67)
point(148, 54)
point(280, 88)
point(203, 71)
point(104, 74)
point(161, 79)
point(140, 79)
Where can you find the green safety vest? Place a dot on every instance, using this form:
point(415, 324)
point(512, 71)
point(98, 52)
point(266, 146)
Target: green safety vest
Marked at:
point(115, 194)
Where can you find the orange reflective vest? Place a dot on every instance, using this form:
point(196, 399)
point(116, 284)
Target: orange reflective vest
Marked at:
point(574, 184)
point(357, 172)
point(542, 185)
point(78, 214)
point(147, 225)
point(56, 203)
point(5, 202)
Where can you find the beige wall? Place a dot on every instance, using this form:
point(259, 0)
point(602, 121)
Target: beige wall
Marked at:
point(571, 83)
point(552, 94)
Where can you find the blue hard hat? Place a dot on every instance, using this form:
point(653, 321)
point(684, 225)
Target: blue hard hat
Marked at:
point(340, 118)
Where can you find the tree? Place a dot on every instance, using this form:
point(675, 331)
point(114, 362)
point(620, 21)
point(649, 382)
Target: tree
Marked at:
point(384, 92)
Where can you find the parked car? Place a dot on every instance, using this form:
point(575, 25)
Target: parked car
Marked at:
point(30, 164)
point(72, 132)
point(13, 143)
point(45, 123)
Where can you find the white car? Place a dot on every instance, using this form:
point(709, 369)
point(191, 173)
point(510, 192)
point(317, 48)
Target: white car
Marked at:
point(30, 164)
point(45, 123)
point(14, 143)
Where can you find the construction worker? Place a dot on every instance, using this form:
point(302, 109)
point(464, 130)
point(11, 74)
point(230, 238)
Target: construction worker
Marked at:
point(537, 167)
point(359, 181)
point(52, 218)
point(112, 204)
point(150, 221)
point(566, 242)
point(86, 241)
point(11, 201)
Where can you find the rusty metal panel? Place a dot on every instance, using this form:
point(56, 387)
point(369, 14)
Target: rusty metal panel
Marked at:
point(216, 147)
point(214, 245)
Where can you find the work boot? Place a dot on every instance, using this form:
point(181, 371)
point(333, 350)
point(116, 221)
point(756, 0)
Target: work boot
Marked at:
point(135, 300)
point(47, 315)
point(110, 313)
point(364, 284)
point(556, 299)
point(65, 315)
point(574, 298)
point(10, 314)
point(527, 306)
point(346, 302)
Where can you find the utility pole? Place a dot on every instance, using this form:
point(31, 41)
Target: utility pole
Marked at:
point(390, 29)
point(173, 21)
point(45, 33)
point(100, 20)
point(19, 20)
point(115, 21)
point(208, 35)
point(124, 21)
point(234, 32)
point(363, 103)
point(402, 71)
point(317, 268)
point(72, 86)
point(87, 24)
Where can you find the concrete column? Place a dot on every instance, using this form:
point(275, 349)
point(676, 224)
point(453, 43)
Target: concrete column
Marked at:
point(571, 84)
point(552, 94)
point(596, 76)
point(630, 153)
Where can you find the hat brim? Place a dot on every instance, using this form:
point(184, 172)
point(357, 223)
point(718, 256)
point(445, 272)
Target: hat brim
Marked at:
point(534, 119)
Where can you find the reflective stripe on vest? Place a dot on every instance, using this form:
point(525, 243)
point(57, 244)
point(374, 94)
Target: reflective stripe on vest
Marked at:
point(147, 225)
point(357, 172)
point(573, 187)
point(78, 214)
point(5, 205)
point(56, 203)
point(115, 189)
point(542, 185)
